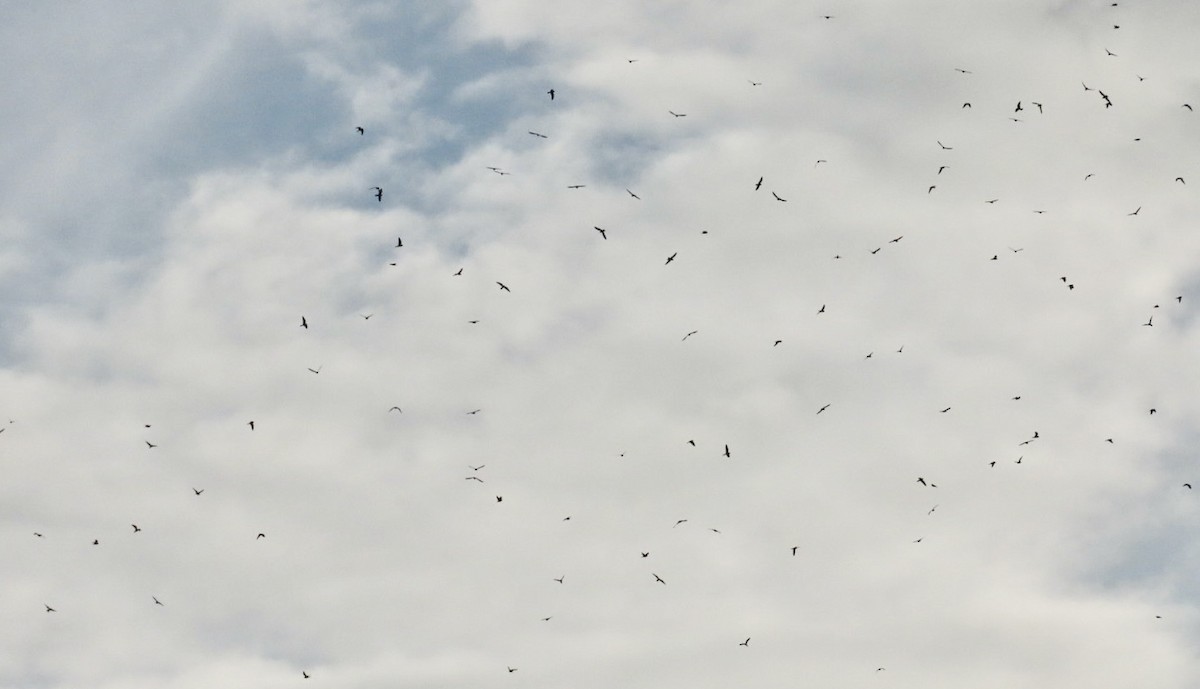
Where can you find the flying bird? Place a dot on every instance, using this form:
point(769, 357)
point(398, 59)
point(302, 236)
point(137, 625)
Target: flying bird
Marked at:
point(136, 528)
point(726, 450)
point(474, 468)
point(150, 444)
point(251, 424)
point(473, 478)
point(1180, 180)
point(603, 234)
point(49, 609)
point(822, 309)
point(551, 92)
point(634, 195)
point(157, 601)
point(576, 186)
point(511, 669)
point(689, 335)
point(671, 257)
point(302, 672)
point(822, 408)
point(316, 370)
point(378, 193)
point(1139, 209)
point(304, 322)
point(458, 273)
point(678, 114)
point(560, 579)
point(745, 643)
point(361, 131)
point(540, 136)
point(503, 287)
point(679, 522)
point(198, 491)
point(758, 184)
point(777, 197)
point(395, 409)
point(945, 147)
point(261, 535)
point(658, 579)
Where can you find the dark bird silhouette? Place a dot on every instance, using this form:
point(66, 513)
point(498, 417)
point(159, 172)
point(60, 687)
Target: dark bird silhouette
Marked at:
point(473, 478)
point(726, 450)
point(551, 92)
point(794, 548)
point(399, 242)
point(822, 408)
point(603, 234)
point(945, 147)
point(942, 168)
point(539, 135)
point(560, 579)
point(692, 443)
point(758, 184)
point(633, 195)
point(755, 83)
point(745, 643)
point(965, 105)
point(1139, 209)
point(38, 534)
point(136, 528)
point(304, 322)
point(671, 257)
point(1188, 486)
point(1180, 180)
point(777, 343)
point(361, 131)
point(503, 287)
point(875, 251)
point(822, 309)
point(378, 194)
point(1152, 411)
point(157, 601)
point(395, 409)
point(96, 542)
point(658, 578)
point(458, 273)
point(921, 481)
point(316, 370)
point(251, 424)
point(1185, 105)
point(198, 491)
point(474, 468)
point(992, 201)
point(1149, 322)
point(931, 188)
point(777, 197)
point(474, 411)
point(1039, 106)
point(49, 609)
point(678, 523)
point(150, 444)
point(678, 114)
point(689, 334)
point(499, 498)
point(304, 673)
point(1110, 53)
point(1019, 108)
point(645, 554)
point(961, 70)
point(576, 186)
point(511, 669)
point(261, 535)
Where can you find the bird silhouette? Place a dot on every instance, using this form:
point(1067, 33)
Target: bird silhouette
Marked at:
point(945, 147)
point(634, 195)
point(726, 450)
point(304, 322)
point(603, 233)
point(822, 409)
point(551, 93)
point(198, 491)
point(671, 257)
point(777, 197)
point(361, 131)
point(1139, 210)
point(689, 334)
point(503, 287)
point(576, 186)
point(678, 114)
point(136, 528)
point(458, 273)
point(378, 194)
point(758, 184)
point(156, 601)
point(49, 609)
point(251, 424)
point(261, 535)
point(149, 444)
point(539, 135)
point(658, 578)
point(745, 643)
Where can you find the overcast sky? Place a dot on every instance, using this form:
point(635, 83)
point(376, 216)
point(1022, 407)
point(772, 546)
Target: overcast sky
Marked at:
point(917, 412)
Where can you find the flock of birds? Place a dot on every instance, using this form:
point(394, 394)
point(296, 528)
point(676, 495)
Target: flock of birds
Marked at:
point(1021, 108)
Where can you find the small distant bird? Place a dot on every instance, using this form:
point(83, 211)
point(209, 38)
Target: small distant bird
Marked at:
point(399, 242)
point(692, 443)
point(96, 542)
point(1085, 87)
point(689, 334)
point(822, 409)
point(251, 424)
point(961, 71)
point(945, 147)
point(1110, 53)
point(658, 579)
point(678, 114)
point(136, 528)
point(822, 309)
point(458, 273)
point(476, 468)
point(679, 522)
point(560, 579)
point(992, 201)
point(777, 197)
point(671, 257)
point(931, 188)
point(366, 316)
point(726, 450)
point(576, 186)
point(396, 409)
point(361, 131)
point(511, 669)
point(473, 478)
point(1019, 108)
point(304, 322)
point(755, 83)
point(304, 673)
point(551, 92)
point(794, 548)
point(758, 184)
point(49, 609)
point(965, 105)
point(745, 643)
point(1039, 106)
point(474, 411)
point(1149, 322)
point(316, 370)
point(1180, 180)
point(1185, 105)
point(150, 444)
point(875, 251)
point(603, 234)
point(1153, 410)
point(539, 135)
point(378, 194)
point(261, 535)
point(1188, 486)
point(157, 601)
point(777, 343)
point(499, 498)
point(1139, 209)
point(921, 481)
point(198, 491)
point(503, 287)
point(1088, 175)
point(645, 554)
point(38, 534)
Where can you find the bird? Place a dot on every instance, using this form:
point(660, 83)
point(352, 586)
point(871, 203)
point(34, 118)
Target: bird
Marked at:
point(678, 114)
point(150, 445)
point(778, 198)
point(1149, 322)
point(251, 424)
point(547, 619)
point(822, 309)
point(1139, 208)
point(499, 498)
point(361, 131)
point(1185, 105)
point(316, 370)
point(822, 408)
point(658, 579)
point(302, 672)
point(503, 287)
point(304, 322)
point(261, 535)
point(198, 491)
point(1188, 486)
point(474, 411)
point(961, 70)
point(136, 528)
point(1180, 180)
point(777, 343)
point(992, 201)
point(942, 168)
point(931, 188)
point(458, 273)
point(1019, 108)
point(551, 92)
point(603, 233)
point(965, 105)
point(49, 609)
point(1039, 106)
point(96, 541)
point(633, 195)
point(692, 443)
point(921, 481)
point(755, 83)
point(794, 548)
point(476, 468)
point(945, 147)
point(1085, 87)
point(1153, 410)
point(689, 334)
point(671, 257)
point(399, 242)
point(679, 522)
point(395, 409)
point(378, 194)
point(1110, 53)
point(560, 579)
point(576, 186)
point(473, 478)
point(758, 184)
point(745, 643)
point(38, 534)
point(511, 669)
point(366, 316)
point(157, 601)
point(726, 450)
point(875, 251)
point(539, 135)
point(1088, 175)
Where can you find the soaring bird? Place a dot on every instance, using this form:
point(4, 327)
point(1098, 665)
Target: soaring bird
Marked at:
point(378, 193)
point(1139, 209)
point(726, 450)
point(304, 322)
point(794, 548)
point(560, 579)
point(945, 410)
point(316, 370)
point(361, 131)
point(931, 188)
point(921, 481)
point(678, 523)
point(396, 409)
point(476, 468)
point(758, 184)
point(150, 444)
point(745, 643)
point(302, 672)
point(778, 198)
point(634, 195)
point(251, 424)
point(822, 309)
point(822, 408)
point(503, 287)
point(645, 554)
point(261, 535)
point(136, 528)
point(511, 669)
point(678, 114)
point(551, 92)
point(473, 478)
point(1185, 105)
point(603, 234)
point(1188, 486)
point(539, 135)
point(576, 186)
point(658, 579)
point(671, 257)
point(945, 147)
point(689, 335)
point(1149, 322)
point(157, 601)
point(197, 491)
point(49, 609)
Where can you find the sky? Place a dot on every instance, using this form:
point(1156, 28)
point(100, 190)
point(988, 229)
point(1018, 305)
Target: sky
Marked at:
point(859, 386)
